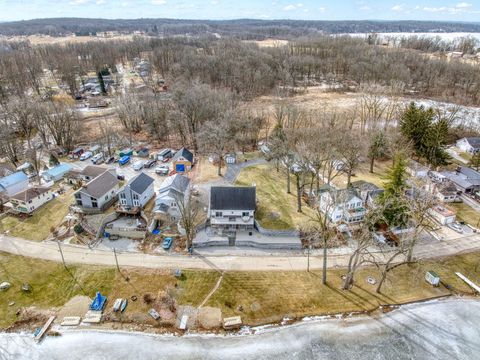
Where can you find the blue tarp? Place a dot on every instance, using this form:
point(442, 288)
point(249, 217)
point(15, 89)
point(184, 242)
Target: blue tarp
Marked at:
point(98, 302)
point(156, 232)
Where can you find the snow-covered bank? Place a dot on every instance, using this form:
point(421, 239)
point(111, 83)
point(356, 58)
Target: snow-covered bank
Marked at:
point(445, 329)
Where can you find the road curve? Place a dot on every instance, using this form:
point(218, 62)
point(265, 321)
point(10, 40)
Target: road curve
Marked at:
point(75, 254)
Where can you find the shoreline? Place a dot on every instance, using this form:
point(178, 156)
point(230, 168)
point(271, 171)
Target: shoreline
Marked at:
point(245, 330)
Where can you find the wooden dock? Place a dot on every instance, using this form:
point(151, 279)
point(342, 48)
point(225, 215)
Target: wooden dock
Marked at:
point(44, 329)
point(469, 282)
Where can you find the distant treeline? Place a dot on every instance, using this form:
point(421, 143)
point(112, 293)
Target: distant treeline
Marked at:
point(243, 28)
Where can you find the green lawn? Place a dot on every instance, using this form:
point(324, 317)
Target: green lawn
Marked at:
point(276, 209)
point(466, 213)
point(258, 296)
point(51, 284)
point(37, 227)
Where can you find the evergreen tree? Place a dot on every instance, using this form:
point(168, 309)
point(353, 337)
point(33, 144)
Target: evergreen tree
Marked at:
point(392, 200)
point(427, 134)
point(101, 82)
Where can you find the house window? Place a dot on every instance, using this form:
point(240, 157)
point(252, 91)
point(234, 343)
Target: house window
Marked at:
point(122, 195)
point(30, 201)
point(245, 214)
point(135, 196)
point(218, 214)
point(106, 197)
point(231, 218)
point(78, 196)
point(94, 203)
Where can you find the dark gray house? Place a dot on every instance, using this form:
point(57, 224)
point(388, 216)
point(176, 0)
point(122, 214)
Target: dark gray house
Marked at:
point(137, 192)
point(98, 194)
point(232, 209)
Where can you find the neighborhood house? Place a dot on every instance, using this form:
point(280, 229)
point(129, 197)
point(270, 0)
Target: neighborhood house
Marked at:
point(14, 183)
point(137, 192)
point(232, 209)
point(469, 145)
point(57, 172)
point(343, 205)
point(442, 214)
point(465, 179)
point(98, 194)
point(172, 192)
point(27, 201)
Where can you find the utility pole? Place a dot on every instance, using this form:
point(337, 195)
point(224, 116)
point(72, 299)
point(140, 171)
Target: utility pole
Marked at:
point(308, 258)
point(116, 259)
point(61, 253)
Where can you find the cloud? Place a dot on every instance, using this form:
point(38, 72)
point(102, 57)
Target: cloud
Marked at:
point(159, 2)
point(214, 2)
point(293, 7)
point(100, 2)
point(79, 2)
point(463, 5)
point(460, 8)
point(365, 8)
point(398, 7)
point(322, 9)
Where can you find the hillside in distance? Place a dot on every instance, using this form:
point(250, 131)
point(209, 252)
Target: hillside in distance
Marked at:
point(241, 28)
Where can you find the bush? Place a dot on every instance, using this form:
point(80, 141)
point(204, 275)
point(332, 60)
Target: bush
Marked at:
point(78, 229)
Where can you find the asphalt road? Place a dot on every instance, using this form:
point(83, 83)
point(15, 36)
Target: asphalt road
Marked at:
point(82, 255)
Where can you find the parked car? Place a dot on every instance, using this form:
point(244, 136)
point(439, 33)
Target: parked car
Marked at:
point(138, 165)
point(97, 159)
point(167, 243)
point(149, 163)
point(124, 160)
point(111, 160)
point(86, 155)
point(162, 170)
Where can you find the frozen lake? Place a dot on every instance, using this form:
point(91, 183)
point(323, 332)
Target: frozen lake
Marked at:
point(436, 330)
point(443, 36)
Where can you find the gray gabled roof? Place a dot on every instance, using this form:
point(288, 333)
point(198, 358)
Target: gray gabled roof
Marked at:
point(100, 185)
point(177, 182)
point(474, 142)
point(140, 183)
point(183, 152)
point(232, 198)
point(93, 171)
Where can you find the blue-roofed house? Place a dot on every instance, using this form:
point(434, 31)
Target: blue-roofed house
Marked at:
point(13, 183)
point(57, 172)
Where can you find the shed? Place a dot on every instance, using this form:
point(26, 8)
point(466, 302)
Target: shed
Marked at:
point(231, 158)
point(57, 173)
point(142, 151)
point(182, 161)
point(432, 278)
point(126, 152)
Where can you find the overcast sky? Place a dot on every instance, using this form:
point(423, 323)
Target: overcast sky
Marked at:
point(231, 9)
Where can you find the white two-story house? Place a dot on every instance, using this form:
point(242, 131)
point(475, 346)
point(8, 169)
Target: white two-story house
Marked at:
point(343, 205)
point(98, 194)
point(27, 201)
point(232, 209)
